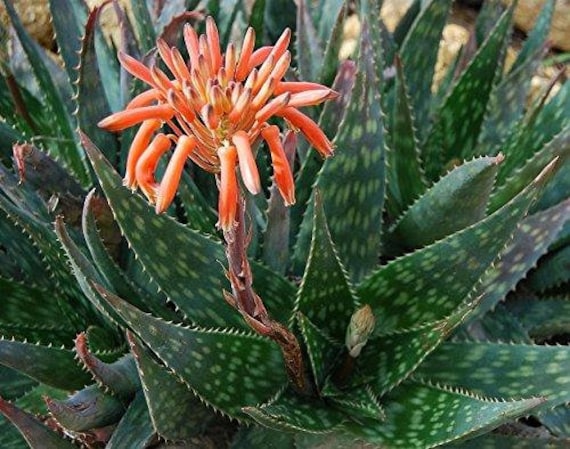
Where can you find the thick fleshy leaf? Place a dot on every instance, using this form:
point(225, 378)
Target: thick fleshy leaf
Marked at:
point(226, 369)
point(428, 284)
point(163, 393)
point(325, 296)
point(332, 30)
point(542, 318)
point(36, 434)
point(293, 413)
point(497, 441)
point(459, 118)
point(559, 146)
point(199, 213)
point(419, 54)
point(456, 201)
point(552, 272)
point(13, 384)
point(422, 416)
point(354, 206)
point(135, 429)
point(67, 150)
point(558, 421)
point(144, 26)
point(50, 365)
point(530, 241)
point(175, 256)
point(406, 181)
point(258, 436)
point(92, 105)
point(502, 370)
point(387, 360)
point(308, 47)
point(86, 409)
point(360, 402)
point(322, 351)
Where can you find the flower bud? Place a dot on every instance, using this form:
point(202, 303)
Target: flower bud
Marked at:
point(361, 326)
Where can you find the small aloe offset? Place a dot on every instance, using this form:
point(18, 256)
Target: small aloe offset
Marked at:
point(409, 291)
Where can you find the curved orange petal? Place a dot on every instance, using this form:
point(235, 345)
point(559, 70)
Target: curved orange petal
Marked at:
point(247, 165)
point(258, 57)
point(144, 99)
point(281, 167)
point(296, 86)
point(271, 108)
point(311, 97)
point(140, 143)
point(129, 117)
point(309, 128)
point(169, 184)
point(227, 201)
point(242, 68)
point(213, 38)
point(146, 165)
point(135, 68)
point(191, 41)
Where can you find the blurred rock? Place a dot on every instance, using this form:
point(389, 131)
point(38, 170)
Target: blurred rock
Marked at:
point(35, 17)
point(528, 10)
point(392, 12)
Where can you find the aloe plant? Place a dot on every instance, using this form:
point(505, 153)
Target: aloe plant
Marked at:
point(407, 292)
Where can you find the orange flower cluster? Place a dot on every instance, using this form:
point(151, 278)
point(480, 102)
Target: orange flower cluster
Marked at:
point(216, 105)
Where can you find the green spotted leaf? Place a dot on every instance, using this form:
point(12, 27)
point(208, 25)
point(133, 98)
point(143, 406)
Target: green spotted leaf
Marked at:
point(88, 408)
point(360, 402)
point(66, 150)
point(552, 272)
point(537, 37)
point(458, 120)
point(258, 436)
point(406, 181)
point(542, 132)
point(293, 413)
point(354, 206)
point(163, 393)
point(309, 49)
point(322, 351)
point(502, 370)
point(156, 238)
point(325, 296)
point(14, 384)
point(456, 201)
point(135, 429)
point(200, 215)
point(558, 421)
point(226, 369)
point(332, 30)
point(144, 26)
point(423, 416)
point(419, 54)
point(50, 365)
point(559, 147)
point(530, 241)
point(542, 318)
point(387, 360)
point(92, 104)
point(426, 285)
point(36, 434)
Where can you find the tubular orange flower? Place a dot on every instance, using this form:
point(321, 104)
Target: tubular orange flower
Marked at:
point(216, 106)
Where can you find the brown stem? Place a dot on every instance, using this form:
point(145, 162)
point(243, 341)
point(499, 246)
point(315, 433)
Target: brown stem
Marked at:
point(250, 305)
point(344, 371)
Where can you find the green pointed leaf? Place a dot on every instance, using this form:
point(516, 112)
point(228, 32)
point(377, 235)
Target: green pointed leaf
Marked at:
point(502, 370)
point(559, 147)
point(92, 104)
point(156, 238)
point(406, 181)
point(293, 413)
point(163, 393)
point(50, 365)
point(67, 150)
point(135, 429)
point(89, 408)
point(552, 272)
point(354, 206)
point(423, 417)
point(456, 201)
point(497, 325)
point(36, 434)
point(459, 118)
point(542, 318)
point(201, 216)
point(10, 437)
point(38, 333)
point(419, 54)
point(529, 242)
point(322, 351)
point(108, 269)
point(325, 296)
point(14, 384)
point(331, 28)
point(537, 37)
point(360, 402)
point(558, 421)
point(387, 360)
point(507, 104)
point(543, 131)
point(226, 369)
point(144, 26)
point(309, 49)
point(428, 284)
